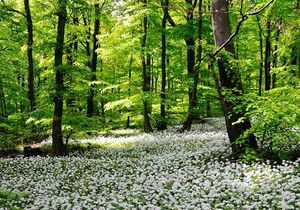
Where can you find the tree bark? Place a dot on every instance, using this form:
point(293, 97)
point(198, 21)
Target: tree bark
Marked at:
point(87, 42)
point(31, 94)
point(261, 62)
point(192, 71)
point(162, 124)
point(275, 54)
point(268, 57)
point(2, 99)
point(71, 51)
point(230, 79)
point(90, 101)
point(58, 147)
point(129, 88)
point(146, 74)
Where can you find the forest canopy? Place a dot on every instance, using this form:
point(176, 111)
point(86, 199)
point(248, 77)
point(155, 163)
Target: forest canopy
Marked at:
point(80, 68)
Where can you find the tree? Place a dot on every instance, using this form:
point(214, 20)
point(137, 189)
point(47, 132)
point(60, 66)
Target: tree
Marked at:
point(146, 74)
point(230, 79)
point(58, 147)
point(162, 125)
point(261, 62)
point(31, 94)
point(192, 72)
point(90, 102)
point(268, 57)
point(190, 58)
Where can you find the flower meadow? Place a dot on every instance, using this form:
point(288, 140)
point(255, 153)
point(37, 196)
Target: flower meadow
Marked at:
point(165, 170)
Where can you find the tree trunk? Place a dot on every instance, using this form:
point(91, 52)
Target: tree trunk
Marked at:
point(31, 93)
point(21, 83)
point(87, 42)
point(162, 124)
point(192, 71)
point(71, 52)
point(230, 79)
point(2, 99)
point(146, 75)
point(268, 57)
point(129, 88)
point(90, 101)
point(275, 54)
point(261, 63)
point(58, 147)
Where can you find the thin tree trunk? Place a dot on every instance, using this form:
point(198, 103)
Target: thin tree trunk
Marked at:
point(2, 98)
point(268, 57)
point(146, 74)
point(90, 101)
point(149, 63)
point(162, 124)
point(76, 23)
point(31, 94)
point(155, 83)
point(297, 5)
point(261, 62)
point(208, 108)
point(21, 83)
point(230, 79)
point(71, 52)
point(152, 74)
point(129, 88)
point(275, 55)
point(192, 71)
point(87, 43)
point(58, 147)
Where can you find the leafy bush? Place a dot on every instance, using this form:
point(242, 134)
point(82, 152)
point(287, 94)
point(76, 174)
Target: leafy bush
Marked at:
point(276, 121)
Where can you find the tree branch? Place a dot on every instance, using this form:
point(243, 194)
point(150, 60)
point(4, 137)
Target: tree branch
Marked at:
point(2, 49)
point(260, 10)
point(245, 16)
point(170, 20)
point(102, 5)
point(12, 9)
point(195, 4)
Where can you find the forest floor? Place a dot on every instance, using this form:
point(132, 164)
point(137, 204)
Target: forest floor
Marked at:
point(163, 170)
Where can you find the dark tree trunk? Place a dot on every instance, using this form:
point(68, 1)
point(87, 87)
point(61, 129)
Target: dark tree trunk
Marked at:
point(146, 75)
point(31, 94)
point(268, 57)
point(90, 101)
point(192, 71)
point(275, 54)
point(294, 55)
point(21, 82)
point(87, 42)
point(58, 147)
point(230, 79)
point(71, 51)
point(152, 74)
point(76, 23)
point(2, 99)
point(297, 5)
point(162, 124)
point(261, 63)
point(129, 88)
point(149, 64)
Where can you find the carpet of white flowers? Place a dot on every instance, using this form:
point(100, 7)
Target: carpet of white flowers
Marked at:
point(158, 171)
